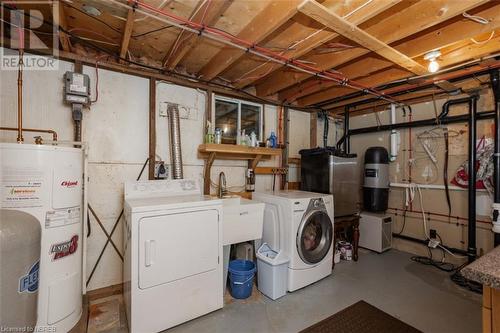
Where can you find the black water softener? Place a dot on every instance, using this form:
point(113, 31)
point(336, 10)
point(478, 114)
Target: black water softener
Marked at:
point(376, 180)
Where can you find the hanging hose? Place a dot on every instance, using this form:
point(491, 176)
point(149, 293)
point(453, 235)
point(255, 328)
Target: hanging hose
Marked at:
point(445, 169)
point(326, 128)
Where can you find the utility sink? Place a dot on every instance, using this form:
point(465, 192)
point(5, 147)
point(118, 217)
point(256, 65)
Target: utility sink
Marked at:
point(242, 219)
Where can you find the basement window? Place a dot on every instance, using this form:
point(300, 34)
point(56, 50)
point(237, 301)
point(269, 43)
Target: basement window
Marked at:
point(234, 115)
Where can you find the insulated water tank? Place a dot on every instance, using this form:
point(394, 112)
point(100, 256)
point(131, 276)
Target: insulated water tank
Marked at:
point(376, 182)
point(20, 235)
point(46, 182)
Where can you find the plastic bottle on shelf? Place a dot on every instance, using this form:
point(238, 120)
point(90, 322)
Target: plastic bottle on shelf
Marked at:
point(218, 136)
point(273, 140)
point(253, 139)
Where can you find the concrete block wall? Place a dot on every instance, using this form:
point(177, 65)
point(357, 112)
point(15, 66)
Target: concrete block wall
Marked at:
point(116, 129)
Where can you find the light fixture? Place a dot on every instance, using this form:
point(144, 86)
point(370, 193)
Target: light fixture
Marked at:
point(433, 64)
point(91, 10)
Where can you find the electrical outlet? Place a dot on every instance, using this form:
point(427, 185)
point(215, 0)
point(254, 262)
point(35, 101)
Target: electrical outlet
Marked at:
point(161, 170)
point(433, 243)
point(433, 234)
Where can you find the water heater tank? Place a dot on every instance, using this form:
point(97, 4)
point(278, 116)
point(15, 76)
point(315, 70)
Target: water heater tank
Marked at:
point(46, 183)
point(376, 180)
point(20, 235)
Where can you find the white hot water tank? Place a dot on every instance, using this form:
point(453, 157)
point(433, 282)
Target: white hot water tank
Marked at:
point(46, 182)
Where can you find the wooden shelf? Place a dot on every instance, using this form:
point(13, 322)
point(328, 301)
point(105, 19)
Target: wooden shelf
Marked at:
point(210, 152)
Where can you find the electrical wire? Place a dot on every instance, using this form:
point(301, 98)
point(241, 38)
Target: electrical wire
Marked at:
point(248, 46)
point(151, 31)
point(158, 69)
point(477, 19)
point(484, 41)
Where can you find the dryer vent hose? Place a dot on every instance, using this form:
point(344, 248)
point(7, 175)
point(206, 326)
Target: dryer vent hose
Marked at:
point(175, 140)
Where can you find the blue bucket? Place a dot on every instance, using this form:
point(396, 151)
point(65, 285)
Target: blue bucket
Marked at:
point(241, 273)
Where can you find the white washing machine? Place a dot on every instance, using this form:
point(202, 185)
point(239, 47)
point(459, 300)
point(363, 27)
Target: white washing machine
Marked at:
point(173, 254)
point(300, 224)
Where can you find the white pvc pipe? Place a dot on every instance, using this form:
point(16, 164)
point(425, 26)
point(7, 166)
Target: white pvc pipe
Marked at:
point(394, 136)
point(431, 186)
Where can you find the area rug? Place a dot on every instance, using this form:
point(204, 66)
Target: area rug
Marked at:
point(361, 317)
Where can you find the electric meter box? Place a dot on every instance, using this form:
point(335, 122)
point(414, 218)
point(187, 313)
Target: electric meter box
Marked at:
point(76, 88)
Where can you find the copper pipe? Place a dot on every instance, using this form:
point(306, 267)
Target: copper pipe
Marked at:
point(20, 138)
point(54, 134)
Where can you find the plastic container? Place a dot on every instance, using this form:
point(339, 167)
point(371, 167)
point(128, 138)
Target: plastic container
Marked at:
point(273, 140)
point(241, 273)
point(272, 272)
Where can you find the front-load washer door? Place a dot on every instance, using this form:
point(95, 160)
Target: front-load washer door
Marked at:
point(177, 246)
point(314, 236)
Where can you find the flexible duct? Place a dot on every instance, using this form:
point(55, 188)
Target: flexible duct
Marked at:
point(175, 140)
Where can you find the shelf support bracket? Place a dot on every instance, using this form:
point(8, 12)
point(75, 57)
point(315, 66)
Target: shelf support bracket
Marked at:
point(206, 179)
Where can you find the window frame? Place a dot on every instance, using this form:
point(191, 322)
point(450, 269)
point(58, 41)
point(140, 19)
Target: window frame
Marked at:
point(238, 101)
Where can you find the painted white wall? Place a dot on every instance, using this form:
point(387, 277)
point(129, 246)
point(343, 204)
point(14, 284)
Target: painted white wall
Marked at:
point(116, 129)
point(434, 200)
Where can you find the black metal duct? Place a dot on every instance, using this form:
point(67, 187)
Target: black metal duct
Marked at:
point(418, 123)
point(495, 84)
point(471, 191)
point(472, 117)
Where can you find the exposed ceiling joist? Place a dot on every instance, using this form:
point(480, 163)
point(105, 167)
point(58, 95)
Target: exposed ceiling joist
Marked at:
point(389, 30)
point(309, 92)
point(265, 23)
point(127, 33)
point(331, 20)
point(363, 14)
point(60, 19)
point(208, 12)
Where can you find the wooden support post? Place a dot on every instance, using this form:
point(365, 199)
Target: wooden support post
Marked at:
point(314, 130)
point(206, 177)
point(152, 128)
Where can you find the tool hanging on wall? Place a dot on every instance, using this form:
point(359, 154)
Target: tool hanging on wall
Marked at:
point(445, 168)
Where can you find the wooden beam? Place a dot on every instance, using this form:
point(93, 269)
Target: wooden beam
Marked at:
point(331, 20)
point(208, 12)
point(127, 33)
point(314, 91)
point(266, 22)
point(152, 128)
point(395, 27)
point(60, 20)
point(318, 38)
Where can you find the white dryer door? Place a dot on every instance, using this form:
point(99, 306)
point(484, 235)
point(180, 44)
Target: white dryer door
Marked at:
point(176, 246)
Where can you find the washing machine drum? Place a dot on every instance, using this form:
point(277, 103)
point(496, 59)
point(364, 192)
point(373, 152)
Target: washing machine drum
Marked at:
point(314, 237)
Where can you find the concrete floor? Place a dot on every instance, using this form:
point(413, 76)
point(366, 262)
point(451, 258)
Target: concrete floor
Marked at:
point(419, 295)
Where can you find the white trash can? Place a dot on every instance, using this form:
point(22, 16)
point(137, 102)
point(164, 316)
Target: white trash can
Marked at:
point(272, 272)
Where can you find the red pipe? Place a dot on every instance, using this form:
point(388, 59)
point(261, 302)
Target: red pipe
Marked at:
point(343, 80)
point(437, 214)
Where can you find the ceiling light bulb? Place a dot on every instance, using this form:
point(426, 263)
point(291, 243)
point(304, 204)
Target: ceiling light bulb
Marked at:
point(433, 66)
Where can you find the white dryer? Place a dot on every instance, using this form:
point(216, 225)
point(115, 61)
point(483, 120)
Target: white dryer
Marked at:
point(173, 254)
point(300, 224)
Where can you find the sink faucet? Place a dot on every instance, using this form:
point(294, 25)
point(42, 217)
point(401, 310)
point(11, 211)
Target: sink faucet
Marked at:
point(222, 185)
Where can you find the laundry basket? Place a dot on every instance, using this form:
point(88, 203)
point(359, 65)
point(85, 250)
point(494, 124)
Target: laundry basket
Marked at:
point(273, 272)
point(241, 273)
